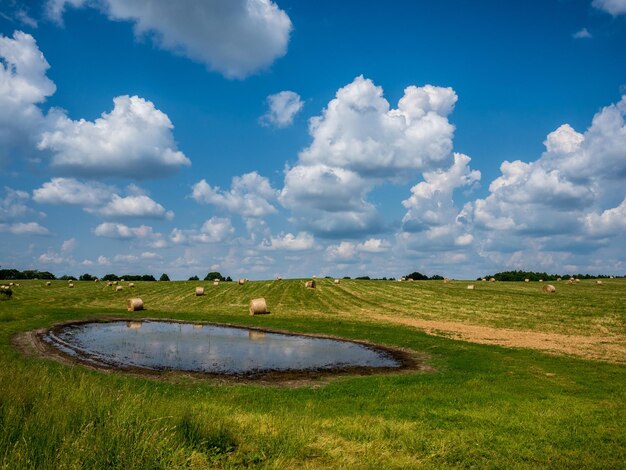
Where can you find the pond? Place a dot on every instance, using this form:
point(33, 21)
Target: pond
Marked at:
point(212, 349)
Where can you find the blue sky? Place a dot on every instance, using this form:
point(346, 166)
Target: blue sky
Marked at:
point(295, 138)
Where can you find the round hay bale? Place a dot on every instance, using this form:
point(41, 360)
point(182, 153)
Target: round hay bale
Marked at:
point(121, 280)
point(570, 281)
point(11, 284)
point(135, 304)
point(549, 288)
point(526, 280)
point(131, 284)
point(241, 282)
point(199, 291)
point(70, 285)
point(446, 280)
point(576, 280)
point(492, 279)
point(118, 288)
point(540, 280)
point(337, 281)
point(216, 283)
point(484, 280)
point(133, 325)
point(258, 306)
point(558, 279)
point(471, 287)
point(599, 283)
point(48, 283)
point(115, 283)
point(310, 284)
point(279, 278)
point(96, 280)
point(410, 279)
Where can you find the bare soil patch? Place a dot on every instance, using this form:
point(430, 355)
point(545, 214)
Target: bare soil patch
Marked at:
point(608, 348)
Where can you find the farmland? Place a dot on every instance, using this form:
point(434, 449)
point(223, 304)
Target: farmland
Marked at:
point(515, 378)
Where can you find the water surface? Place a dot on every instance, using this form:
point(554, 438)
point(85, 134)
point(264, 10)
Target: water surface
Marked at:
point(161, 345)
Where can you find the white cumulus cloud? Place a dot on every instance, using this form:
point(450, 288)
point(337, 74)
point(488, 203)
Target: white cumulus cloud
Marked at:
point(282, 109)
point(250, 195)
point(24, 228)
point(140, 206)
point(614, 7)
point(234, 37)
point(289, 242)
point(134, 140)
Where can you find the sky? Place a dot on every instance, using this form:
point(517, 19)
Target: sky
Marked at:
point(260, 138)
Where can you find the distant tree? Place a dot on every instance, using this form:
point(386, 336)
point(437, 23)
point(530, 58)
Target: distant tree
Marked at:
point(86, 277)
point(347, 277)
point(194, 278)
point(416, 276)
point(67, 278)
point(110, 277)
point(436, 277)
point(214, 275)
point(228, 279)
point(363, 278)
point(164, 277)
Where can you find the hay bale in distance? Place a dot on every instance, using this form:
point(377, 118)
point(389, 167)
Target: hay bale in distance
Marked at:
point(471, 287)
point(540, 280)
point(11, 284)
point(258, 306)
point(199, 291)
point(599, 283)
point(526, 280)
point(70, 285)
point(558, 279)
point(310, 284)
point(109, 284)
point(549, 288)
point(216, 283)
point(131, 284)
point(492, 279)
point(115, 283)
point(570, 281)
point(484, 280)
point(337, 281)
point(135, 304)
point(576, 280)
point(48, 283)
point(241, 282)
point(118, 288)
point(279, 278)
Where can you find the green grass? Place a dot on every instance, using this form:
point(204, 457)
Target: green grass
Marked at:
point(484, 406)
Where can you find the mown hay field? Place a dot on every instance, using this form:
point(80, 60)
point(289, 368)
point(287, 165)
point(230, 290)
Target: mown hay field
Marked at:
point(518, 378)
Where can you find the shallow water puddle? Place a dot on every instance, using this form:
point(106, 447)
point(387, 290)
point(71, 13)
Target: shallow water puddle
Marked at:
point(214, 349)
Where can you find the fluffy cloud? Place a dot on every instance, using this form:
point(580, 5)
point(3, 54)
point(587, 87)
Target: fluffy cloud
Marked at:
point(13, 205)
point(431, 203)
point(611, 222)
point(24, 228)
point(134, 140)
point(23, 85)
point(214, 230)
point(614, 7)
point(359, 142)
point(234, 37)
point(249, 195)
point(73, 192)
point(582, 34)
point(576, 173)
point(124, 232)
point(140, 206)
point(289, 242)
point(282, 108)
point(100, 199)
point(374, 245)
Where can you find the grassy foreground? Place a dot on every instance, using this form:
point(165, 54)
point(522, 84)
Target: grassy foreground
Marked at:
point(484, 405)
